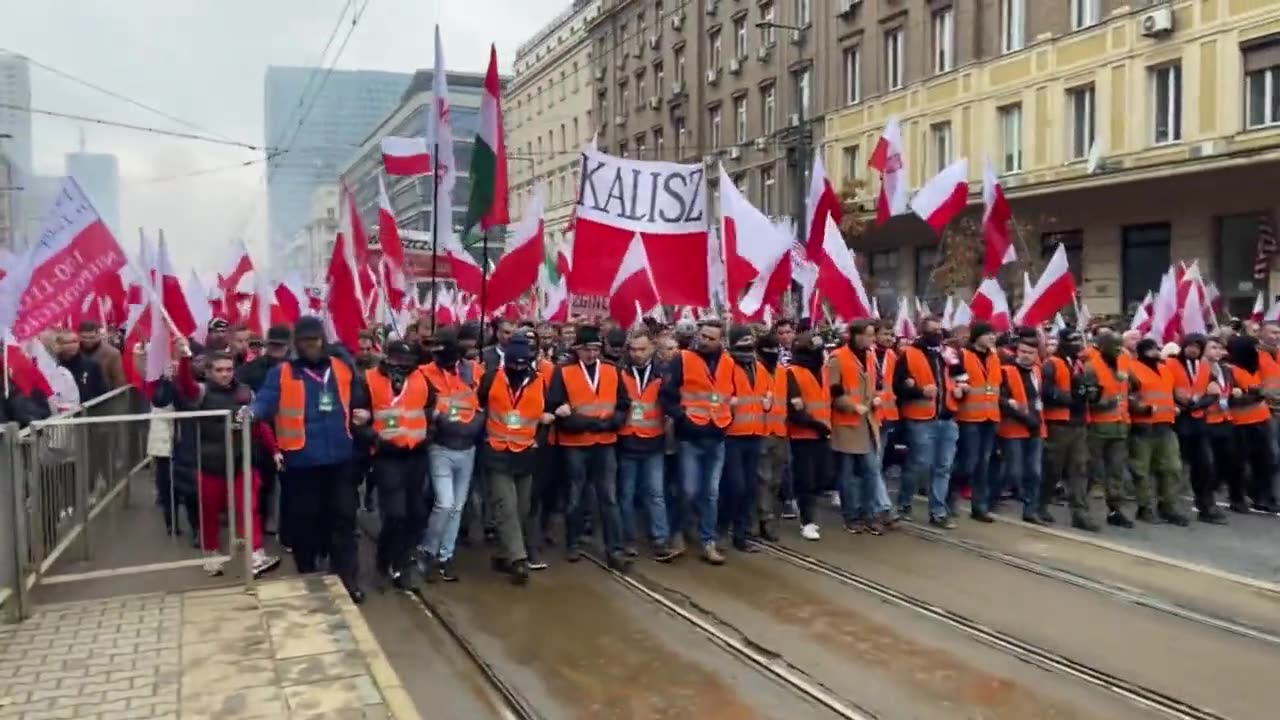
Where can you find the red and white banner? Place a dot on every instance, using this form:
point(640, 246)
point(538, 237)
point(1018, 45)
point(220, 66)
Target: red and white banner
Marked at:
point(666, 203)
point(405, 156)
point(75, 250)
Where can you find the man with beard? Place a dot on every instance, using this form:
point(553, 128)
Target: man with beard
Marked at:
point(401, 400)
point(88, 374)
point(1154, 457)
point(1251, 418)
point(106, 357)
point(927, 398)
point(1066, 447)
point(254, 372)
point(315, 399)
point(1106, 379)
point(855, 430)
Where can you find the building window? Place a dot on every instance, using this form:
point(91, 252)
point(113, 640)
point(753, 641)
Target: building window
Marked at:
point(659, 79)
point(679, 127)
point(1145, 258)
point(766, 25)
point(640, 147)
point(849, 162)
point(641, 96)
point(894, 59)
point(940, 137)
point(563, 84)
point(679, 54)
point(1166, 104)
point(622, 149)
point(944, 40)
point(657, 143)
point(852, 75)
point(1235, 247)
point(576, 80)
point(1080, 122)
point(564, 141)
point(1013, 20)
point(1011, 138)
point(803, 92)
point(802, 12)
point(1262, 83)
point(641, 32)
point(742, 182)
point(713, 50)
point(740, 38)
point(926, 261)
point(624, 100)
point(1072, 244)
point(766, 190)
point(1083, 13)
point(882, 267)
point(714, 128)
point(740, 119)
point(767, 110)
point(576, 136)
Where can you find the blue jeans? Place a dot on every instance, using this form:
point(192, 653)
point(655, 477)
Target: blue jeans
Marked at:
point(741, 465)
point(933, 450)
point(862, 491)
point(643, 473)
point(977, 443)
point(1021, 466)
point(450, 474)
point(701, 462)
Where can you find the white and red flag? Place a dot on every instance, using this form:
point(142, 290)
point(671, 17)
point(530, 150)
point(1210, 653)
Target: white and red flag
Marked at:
point(944, 196)
point(342, 303)
point(516, 272)
point(1259, 307)
point(405, 156)
point(888, 160)
point(634, 291)
point(903, 325)
point(393, 259)
point(997, 244)
point(820, 204)
point(175, 300)
point(1055, 289)
point(990, 304)
point(757, 266)
point(839, 282)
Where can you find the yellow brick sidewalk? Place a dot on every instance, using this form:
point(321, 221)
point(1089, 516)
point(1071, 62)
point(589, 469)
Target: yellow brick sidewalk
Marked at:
point(296, 649)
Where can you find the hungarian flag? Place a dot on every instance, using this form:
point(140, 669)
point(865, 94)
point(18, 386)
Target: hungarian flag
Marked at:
point(553, 284)
point(488, 205)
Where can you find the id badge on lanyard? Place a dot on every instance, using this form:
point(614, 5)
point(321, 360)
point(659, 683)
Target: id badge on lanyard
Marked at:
point(637, 410)
point(325, 403)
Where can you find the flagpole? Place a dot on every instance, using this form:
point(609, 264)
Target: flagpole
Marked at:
point(435, 226)
point(484, 279)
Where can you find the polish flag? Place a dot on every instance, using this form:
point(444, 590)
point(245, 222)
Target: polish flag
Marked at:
point(197, 299)
point(1164, 315)
point(757, 267)
point(236, 282)
point(1259, 307)
point(175, 300)
point(159, 358)
point(1083, 318)
point(1142, 316)
point(363, 267)
point(947, 311)
point(289, 304)
point(342, 303)
point(112, 298)
point(1273, 313)
point(1052, 292)
point(839, 282)
point(805, 274)
point(820, 204)
point(991, 305)
point(516, 272)
point(1027, 287)
point(466, 272)
point(944, 196)
point(997, 246)
point(1192, 316)
point(405, 156)
point(963, 316)
point(22, 371)
point(903, 326)
point(887, 159)
point(633, 291)
point(146, 265)
point(1212, 304)
point(46, 373)
point(393, 260)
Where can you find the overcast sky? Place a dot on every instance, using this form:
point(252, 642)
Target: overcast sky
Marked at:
point(204, 62)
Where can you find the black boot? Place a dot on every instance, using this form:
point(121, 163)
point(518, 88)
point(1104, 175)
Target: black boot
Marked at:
point(1118, 519)
point(520, 572)
point(766, 532)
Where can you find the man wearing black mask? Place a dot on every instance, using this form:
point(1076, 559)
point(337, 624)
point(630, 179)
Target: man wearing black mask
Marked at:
point(1066, 448)
point(1106, 379)
point(752, 399)
point(1154, 458)
point(927, 398)
point(1250, 416)
point(808, 404)
point(514, 403)
point(775, 451)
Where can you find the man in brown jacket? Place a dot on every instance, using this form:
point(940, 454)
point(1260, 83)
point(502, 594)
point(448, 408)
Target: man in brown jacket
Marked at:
point(855, 431)
point(106, 356)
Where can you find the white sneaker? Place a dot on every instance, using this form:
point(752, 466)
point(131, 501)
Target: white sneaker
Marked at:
point(212, 564)
point(810, 532)
point(262, 562)
point(834, 497)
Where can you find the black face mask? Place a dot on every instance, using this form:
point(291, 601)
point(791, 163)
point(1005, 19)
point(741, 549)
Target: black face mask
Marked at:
point(516, 372)
point(446, 356)
point(932, 339)
point(769, 355)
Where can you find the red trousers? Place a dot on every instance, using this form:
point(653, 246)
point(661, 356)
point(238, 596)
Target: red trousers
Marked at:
point(213, 502)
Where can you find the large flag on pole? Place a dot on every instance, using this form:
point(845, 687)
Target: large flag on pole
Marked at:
point(488, 206)
point(440, 135)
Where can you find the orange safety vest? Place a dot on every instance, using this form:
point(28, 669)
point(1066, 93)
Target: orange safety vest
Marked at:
point(1061, 381)
point(600, 403)
point(546, 369)
point(1010, 428)
point(291, 420)
point(1111, 387)
point(512, 422)
point(776, 418)
point(982, 402)
point(398, 420)
point(455, 399)
point(645, 419)
point(853, 376)
point(749, 413)
point(919, 370)
point(1253, 413)
point(884, 376)
point(1155, 389)
point(704, 395)
point(1215, 414)
point(1268, 372)
point(816, 397)
point(1187, 385)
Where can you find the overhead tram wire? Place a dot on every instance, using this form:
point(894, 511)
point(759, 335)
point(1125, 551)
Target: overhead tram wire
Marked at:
point(139, 128)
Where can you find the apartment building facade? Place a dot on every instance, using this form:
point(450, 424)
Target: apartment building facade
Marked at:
point(548, 114)
point(1135, 134)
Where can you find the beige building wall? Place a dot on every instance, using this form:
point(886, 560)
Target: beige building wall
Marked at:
point(1200, 185)
point(548, 114)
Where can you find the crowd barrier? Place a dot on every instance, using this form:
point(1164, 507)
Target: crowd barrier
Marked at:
point(77, 501)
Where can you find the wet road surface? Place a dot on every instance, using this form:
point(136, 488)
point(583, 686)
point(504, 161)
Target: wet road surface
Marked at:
point(896, 664)
point(1192, 662)
point(578, 645)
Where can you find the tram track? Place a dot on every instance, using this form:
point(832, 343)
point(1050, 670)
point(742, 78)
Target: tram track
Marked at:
point(1036, 655)
point(1126, 594)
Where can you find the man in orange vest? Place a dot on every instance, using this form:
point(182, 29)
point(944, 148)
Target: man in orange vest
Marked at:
point(697, 393)
point(401, 400)
point(314, 400)
point(512, 396)
point(1154, 457)
point(1022, 428)
point(1192, 373)
point(1252, 420)
point(977, 415)
point(1269, 377)
point(855, 429)
point(927, 402)
point(1217, 456)
point(752, 399)
point(590, 404)
point(641, 451)
point(808, 426)
point(1066, 451)
point(775, 450)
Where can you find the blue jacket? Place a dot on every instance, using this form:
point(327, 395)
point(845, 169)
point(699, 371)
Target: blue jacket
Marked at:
point(328, 440)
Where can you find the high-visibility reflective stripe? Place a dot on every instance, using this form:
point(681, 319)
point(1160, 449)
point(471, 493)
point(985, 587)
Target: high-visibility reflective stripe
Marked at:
point(289, 413)
point(390, 433)
point(747, 418)
point(594, 408)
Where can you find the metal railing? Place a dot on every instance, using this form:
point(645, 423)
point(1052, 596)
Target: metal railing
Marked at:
point(60, 475)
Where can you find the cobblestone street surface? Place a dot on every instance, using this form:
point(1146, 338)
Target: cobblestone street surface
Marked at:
point(296, 649)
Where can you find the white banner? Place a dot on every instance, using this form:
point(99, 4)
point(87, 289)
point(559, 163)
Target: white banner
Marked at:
point(642, 195)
